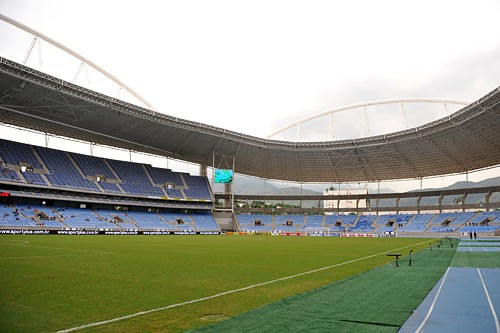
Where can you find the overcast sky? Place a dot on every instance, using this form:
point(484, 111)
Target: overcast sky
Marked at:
point(254, 66)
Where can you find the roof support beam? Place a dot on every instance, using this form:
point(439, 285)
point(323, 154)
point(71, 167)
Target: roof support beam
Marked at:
point(405, 160)
point(444, 153)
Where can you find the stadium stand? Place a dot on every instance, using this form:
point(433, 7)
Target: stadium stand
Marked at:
point(16, 154)
point(418, 223)
point(47, 172)
point(364, 223)
point(197, 187)
point(288, 223)
point(449, 222)
point(483, 222)
point(205, 222)
point(14, 217)
point(313, 221)
point(339, 222)
point(134, 179)
point(171, 181)
point(63, 170)
point(84, 219)
point(8, 174)
point(32, 216)
point(21, 163)
point(255, 222)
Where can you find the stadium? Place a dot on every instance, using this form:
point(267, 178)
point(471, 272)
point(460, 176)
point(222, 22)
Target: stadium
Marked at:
point(91, 242)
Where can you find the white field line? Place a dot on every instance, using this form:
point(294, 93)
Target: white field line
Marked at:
point(27, 244)
point(433, 303)
point(68, 249)
point(52, 256)
point(104, 322)
point(492, 308)
point(18, 242)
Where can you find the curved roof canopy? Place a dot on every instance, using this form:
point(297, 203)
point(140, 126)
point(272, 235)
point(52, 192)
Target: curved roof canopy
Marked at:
point(464, 141)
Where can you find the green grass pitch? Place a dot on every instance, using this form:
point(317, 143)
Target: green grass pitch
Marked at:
point(50, 283)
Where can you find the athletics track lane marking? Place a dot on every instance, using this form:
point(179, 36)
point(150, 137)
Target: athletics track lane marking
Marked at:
point(433, 303)
point(492, 308)
point(145, 312)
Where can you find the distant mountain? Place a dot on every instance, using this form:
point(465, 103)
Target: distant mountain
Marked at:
point(252, 186)
point(449, 200)
point(255, 186)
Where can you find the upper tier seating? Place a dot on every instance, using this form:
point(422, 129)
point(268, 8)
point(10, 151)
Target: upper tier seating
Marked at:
point(93, 166)
point(15, 153)
point(197, 187)
point(81, 172)
point(8, 174)
point(134, 178)
point(62, 170)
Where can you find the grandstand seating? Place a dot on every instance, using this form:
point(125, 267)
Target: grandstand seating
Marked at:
point(280, 222)
point(391, 222)
point(397, 220)
point(205, 222)
point(110, 187)
point(134, 179)
point(34, 178)
point(313, 221)
point(247, 222)
point(39, 217)
point(453, 219)
point(480, 228)
point(197, 187)
point(483, 222)
point(364, 223)
point(93, 166)
point(14, 217)
point(62, 170)
point(417, 224)
point(144, 220)
point(486, 218)
point(8, 174)
point(165, 176)
point(14, 153)
point(84, 219)
point(45, 216)
point(340, 222)
point(55, 168)
point(179, 221)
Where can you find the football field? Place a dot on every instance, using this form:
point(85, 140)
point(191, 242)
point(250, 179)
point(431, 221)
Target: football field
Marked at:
point(168, 283)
